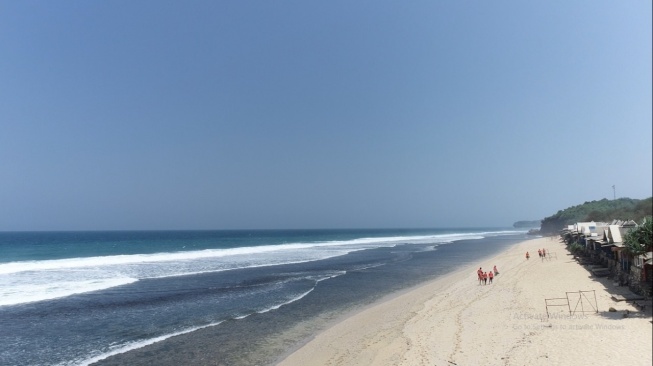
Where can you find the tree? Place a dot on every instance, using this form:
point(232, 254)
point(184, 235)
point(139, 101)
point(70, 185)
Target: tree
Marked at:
point(603, 210)
point(595, 216)
point(639, 241)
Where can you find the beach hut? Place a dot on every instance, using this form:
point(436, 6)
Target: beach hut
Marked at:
point(614, 238)
point(602, 243)
point(586, 228)
point(641, 276)
point(648, 275)
point(587, 231)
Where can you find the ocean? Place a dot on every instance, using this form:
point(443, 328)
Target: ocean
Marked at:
point(207, 297)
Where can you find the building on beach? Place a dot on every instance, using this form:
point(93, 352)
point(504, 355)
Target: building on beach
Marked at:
point(602, 246)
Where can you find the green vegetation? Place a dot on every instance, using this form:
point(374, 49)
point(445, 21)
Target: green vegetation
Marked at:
point(576, 248)
point(603, 210)
point(640, 240)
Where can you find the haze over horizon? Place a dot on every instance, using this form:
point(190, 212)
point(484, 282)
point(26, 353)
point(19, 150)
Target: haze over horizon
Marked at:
point(152, 115)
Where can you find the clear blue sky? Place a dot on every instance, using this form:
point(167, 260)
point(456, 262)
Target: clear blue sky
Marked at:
point(319, 114)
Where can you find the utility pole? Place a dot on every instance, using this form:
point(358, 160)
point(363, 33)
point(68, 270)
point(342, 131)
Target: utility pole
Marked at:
point(614, 193)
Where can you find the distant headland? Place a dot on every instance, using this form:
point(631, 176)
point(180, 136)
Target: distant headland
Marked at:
point(602, 210)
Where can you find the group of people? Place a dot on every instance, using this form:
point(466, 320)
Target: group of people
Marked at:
point(484, 276)
point(541, 252)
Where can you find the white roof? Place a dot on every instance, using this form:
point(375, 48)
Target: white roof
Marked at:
point(614, 234)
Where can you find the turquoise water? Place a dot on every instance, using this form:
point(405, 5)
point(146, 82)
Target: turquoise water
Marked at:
point(28, 246)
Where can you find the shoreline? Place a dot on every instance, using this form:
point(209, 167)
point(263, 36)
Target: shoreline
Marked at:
point(264, 338)
point(348, 315)
point(454, 320)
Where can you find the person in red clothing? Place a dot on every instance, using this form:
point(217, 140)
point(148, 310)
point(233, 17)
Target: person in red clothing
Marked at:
point(490, 275)
point(485, 278)
point(527, 255)
point(480, 275)
point(496, 271)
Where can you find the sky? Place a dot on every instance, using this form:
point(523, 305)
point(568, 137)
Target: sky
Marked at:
point(151, 114)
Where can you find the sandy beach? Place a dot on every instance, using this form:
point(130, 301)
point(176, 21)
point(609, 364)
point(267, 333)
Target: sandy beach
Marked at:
point(455, 321)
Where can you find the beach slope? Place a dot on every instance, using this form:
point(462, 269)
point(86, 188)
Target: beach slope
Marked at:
point(454, 320)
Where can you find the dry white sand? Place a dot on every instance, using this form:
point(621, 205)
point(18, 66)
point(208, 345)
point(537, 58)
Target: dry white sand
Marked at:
point(455, 321)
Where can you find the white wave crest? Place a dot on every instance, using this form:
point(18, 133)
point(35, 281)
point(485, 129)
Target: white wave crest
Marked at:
point(29, 281)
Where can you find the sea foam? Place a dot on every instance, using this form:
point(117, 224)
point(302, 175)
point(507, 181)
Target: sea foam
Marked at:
point(30, 281)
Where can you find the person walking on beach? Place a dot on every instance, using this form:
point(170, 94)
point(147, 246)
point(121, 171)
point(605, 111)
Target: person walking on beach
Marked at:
point(490, 276)
point(527, 256)
point(543, 252)
point(479, 273)
point(496, 271)
point(485, 278)
point(539, 252)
